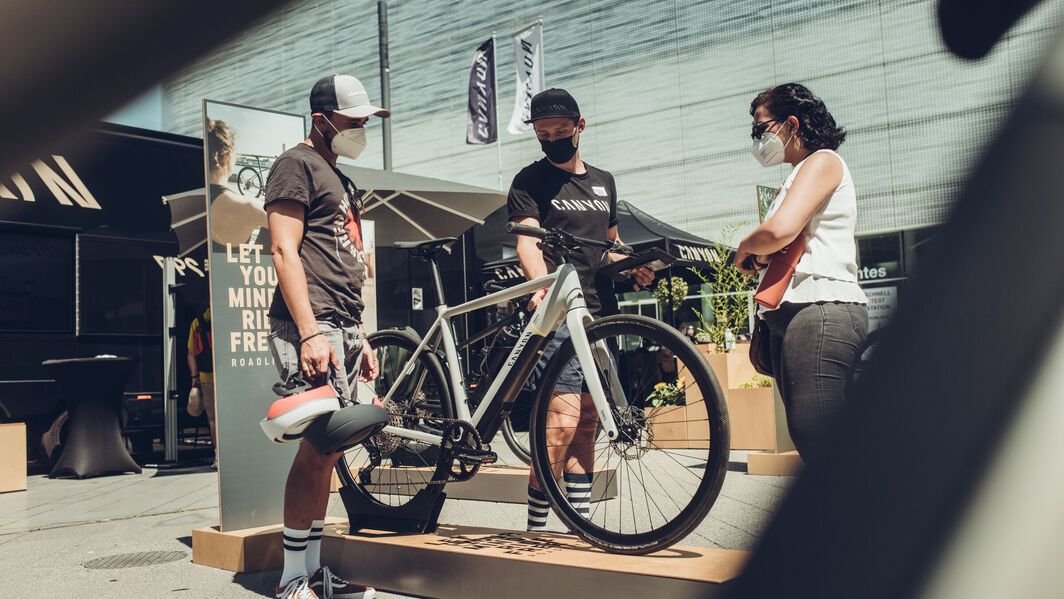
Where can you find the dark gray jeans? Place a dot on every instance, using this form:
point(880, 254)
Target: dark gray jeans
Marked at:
point(813, 347)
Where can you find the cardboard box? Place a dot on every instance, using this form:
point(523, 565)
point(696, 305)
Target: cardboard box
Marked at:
point(484, 563)
point(12, 457)
point(248, 550)
point(787, 463)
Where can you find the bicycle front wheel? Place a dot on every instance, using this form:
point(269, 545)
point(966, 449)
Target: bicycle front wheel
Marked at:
point(653, 484)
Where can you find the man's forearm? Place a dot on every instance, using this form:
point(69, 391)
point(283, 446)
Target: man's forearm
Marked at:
point(293, 282)
point(531, 259)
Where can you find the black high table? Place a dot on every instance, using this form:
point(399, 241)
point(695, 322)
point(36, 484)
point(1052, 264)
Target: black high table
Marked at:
point(92, 389)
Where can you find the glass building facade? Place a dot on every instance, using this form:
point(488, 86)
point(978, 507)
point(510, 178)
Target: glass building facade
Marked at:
point(665, 86)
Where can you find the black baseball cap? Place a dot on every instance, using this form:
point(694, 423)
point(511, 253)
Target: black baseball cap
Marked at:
point(553, 103)
point(344, 94)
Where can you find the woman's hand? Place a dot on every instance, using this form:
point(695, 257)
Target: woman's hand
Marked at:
point(744, 262)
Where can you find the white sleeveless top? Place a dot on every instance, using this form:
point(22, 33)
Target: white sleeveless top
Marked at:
point(827, 271)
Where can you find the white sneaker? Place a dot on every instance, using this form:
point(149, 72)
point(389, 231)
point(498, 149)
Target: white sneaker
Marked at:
point(338, 588)
point(298, 588)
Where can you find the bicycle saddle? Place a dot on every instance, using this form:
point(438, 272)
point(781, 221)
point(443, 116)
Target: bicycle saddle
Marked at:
point(421, 247)
point(301, 404)
point(345, 428)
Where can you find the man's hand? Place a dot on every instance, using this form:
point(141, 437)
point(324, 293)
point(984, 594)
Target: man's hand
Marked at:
point(643, 277)
point(537, 299)
point(369, 368)
point(315, 356)
point(195, 380)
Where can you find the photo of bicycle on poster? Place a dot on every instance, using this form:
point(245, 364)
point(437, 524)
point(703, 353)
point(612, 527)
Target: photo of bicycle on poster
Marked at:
point(239, 154)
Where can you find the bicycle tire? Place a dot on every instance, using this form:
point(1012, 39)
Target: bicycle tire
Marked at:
point(434, 370)
point(518, 448)
point(715, 467)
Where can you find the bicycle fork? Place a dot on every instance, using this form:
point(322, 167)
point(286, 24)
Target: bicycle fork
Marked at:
point(593, 360)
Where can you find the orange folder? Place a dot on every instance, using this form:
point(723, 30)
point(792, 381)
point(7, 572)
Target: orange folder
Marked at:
point(778, 273)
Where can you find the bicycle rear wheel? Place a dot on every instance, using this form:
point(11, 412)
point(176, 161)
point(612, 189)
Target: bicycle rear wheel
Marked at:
point(388, 470)
point(515, 429)
point(658, 479)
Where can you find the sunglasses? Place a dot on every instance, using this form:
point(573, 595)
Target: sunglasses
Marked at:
point(759, 128)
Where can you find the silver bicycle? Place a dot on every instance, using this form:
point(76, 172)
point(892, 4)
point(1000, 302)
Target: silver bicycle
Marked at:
point(650, 421)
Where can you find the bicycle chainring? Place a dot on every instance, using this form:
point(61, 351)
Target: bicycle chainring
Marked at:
point(459, 435)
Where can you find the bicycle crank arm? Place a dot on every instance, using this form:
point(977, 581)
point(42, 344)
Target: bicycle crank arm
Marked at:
point(472, 457)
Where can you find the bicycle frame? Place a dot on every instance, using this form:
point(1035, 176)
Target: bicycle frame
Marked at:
point(564, 303)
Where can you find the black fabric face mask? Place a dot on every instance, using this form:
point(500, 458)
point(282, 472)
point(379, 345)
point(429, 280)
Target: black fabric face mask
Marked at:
point(559, 151)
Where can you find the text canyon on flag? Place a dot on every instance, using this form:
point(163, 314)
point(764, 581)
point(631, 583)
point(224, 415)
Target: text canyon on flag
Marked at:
point(483, 126)
point(528, 56)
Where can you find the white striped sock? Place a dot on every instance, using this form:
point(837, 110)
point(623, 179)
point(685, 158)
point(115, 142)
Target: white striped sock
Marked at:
point(578, 492)
point(314, 546)
point(295, 554)
point(538, 509)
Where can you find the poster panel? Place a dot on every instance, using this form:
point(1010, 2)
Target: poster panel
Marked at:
point(881, 304)
point(240, 145)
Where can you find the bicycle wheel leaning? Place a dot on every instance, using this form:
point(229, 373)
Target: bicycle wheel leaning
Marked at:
point(388, 470)
point(515, 430)
point(654, 483)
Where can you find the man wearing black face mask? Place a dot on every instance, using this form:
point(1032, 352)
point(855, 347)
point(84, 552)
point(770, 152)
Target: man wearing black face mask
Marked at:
point(561, 191)
point(313, 212)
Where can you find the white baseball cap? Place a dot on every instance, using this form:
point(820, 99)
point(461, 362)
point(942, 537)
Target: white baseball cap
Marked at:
point(346, 95)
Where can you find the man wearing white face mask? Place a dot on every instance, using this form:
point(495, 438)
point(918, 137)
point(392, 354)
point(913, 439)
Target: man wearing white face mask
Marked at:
point(314, 214)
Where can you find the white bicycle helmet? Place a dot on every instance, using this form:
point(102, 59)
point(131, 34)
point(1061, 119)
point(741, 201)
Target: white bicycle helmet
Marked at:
point(289, 416)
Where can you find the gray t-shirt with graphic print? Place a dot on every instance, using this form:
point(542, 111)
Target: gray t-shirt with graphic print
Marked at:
point(331, 250)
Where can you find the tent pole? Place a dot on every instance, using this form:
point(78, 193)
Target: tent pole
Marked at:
point(169, 351)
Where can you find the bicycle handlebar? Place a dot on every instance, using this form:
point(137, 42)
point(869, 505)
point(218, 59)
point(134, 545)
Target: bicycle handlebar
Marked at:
point(565, 240)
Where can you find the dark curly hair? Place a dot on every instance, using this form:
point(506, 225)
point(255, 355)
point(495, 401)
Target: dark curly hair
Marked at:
point(817, 128)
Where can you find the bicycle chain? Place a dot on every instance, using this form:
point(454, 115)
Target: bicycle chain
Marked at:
point(445, 425)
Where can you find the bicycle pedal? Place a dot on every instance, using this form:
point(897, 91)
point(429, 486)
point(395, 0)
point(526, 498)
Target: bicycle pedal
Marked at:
point(473, 457)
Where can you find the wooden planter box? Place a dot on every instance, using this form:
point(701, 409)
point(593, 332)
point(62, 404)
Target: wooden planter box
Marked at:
point(731, 369)
point(757, 420)
point(680, 427)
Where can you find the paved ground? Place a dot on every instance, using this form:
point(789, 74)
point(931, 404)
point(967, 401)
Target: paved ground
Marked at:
point(49, 532)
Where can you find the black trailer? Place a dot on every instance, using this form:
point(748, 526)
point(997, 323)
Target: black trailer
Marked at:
point(83, 231)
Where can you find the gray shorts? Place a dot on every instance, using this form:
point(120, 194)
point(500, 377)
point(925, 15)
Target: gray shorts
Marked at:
point(571, 379)
point(345, 339)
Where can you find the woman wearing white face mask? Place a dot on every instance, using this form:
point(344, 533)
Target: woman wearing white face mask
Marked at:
point(816, 330)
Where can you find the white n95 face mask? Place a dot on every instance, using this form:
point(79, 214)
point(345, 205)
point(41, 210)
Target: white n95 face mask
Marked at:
point(348, 143)
point(769, 149)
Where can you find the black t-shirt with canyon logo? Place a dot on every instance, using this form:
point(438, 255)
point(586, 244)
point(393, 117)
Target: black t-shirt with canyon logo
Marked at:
point(584, 205)
point(331, 250)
